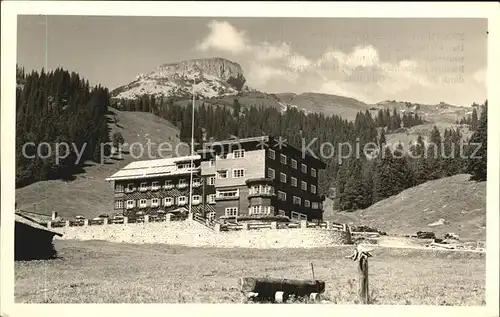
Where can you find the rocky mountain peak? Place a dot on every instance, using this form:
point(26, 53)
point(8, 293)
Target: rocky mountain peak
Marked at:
point(210, 77)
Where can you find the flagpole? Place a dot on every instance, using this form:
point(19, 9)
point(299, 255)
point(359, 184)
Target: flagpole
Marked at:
point(192, 154)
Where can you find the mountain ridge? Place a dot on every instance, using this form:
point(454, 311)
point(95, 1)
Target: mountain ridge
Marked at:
point(218, 80)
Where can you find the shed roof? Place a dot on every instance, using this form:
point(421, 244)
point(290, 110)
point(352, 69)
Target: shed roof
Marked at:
point(30, 222)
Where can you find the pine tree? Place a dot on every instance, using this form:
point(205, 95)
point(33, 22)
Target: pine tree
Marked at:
point(474, 120)
point(353, 196)
point(477, 162)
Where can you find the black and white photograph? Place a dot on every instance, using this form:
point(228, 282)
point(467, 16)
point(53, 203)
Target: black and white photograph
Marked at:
point(168, 158)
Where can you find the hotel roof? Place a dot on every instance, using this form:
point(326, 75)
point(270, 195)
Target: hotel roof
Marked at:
point(154, 168)
point(265, 140)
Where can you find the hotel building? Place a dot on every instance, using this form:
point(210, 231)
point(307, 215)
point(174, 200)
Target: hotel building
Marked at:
point(238, 179)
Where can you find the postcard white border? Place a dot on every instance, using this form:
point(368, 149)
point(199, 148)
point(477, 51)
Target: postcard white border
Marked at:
point(11, 9)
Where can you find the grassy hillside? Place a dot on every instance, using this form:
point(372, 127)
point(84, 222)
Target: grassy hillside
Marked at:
point(89, 194)
point(462, 203)
point(424, 130)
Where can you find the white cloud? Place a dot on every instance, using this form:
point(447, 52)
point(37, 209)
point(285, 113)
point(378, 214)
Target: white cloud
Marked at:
point(224, 37)
point(268, 51)
point(359, 73)
point(260, 73)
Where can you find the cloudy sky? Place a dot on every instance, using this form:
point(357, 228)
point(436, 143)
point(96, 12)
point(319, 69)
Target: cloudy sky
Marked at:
point(419, 60)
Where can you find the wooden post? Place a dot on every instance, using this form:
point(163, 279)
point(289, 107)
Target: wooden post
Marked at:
point(361, 256)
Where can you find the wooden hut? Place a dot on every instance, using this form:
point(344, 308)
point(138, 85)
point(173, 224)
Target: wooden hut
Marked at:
point(33, 241)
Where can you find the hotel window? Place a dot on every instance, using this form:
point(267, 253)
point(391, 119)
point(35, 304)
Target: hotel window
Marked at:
point(119, 188)
point(143, 187)
point(283, 177)
point(238, 154)
point(211, 181)
point(307, 203)
point(313, 172)
point(155, 186)
point(211, 199)
point(231, 211)
point(168, 184)
point(181, 200)
point(168, 201)
point(270, 173)
point(283, 158)
point(119, 204)
point(222, 174)
point(297, 200)
point(315, 205)
point(272, 154)
point(281, 196)
point(238, 173)
point(294, 182)
point(130, 204)
point(294, 164)
point(155, 202)
point(260, 210)
point(228, 193)
point(196, 182)
point(303, 168)
point(261, 189)
point(143, 203)
point(182, 183)
point(313, 189)
point(130, 188)
point(303, 185)
point(196, 199)
point(298, 215)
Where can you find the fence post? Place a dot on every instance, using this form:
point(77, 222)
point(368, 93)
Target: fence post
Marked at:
point(217, 227)
point(85, 222)
point(67, 223)
point(361, 256)
point(274, 225)
point(246, 226)
point(105, 221)
point(146, 218)
point(328, 225)
point(168, 217)
point(125, 220)
point(303, 224)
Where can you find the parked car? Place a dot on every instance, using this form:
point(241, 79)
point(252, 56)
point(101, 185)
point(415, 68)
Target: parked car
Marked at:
point(118, 218)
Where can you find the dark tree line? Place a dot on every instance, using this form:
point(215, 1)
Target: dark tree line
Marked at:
point(55, 108)
point(471, 120)
point(361, 182)
point(395, 121)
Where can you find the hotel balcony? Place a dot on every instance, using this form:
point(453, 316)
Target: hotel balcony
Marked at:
point(180, 186)
point(236, 197)
point(170, 186)
point(143, 189)
point(155, 187)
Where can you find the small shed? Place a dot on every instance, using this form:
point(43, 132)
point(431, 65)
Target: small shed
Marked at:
point(32, 240)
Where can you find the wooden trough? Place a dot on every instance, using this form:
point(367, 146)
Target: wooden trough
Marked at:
point(279, 290)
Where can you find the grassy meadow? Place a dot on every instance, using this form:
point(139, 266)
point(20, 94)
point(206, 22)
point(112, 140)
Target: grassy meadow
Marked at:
point(105, 272)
